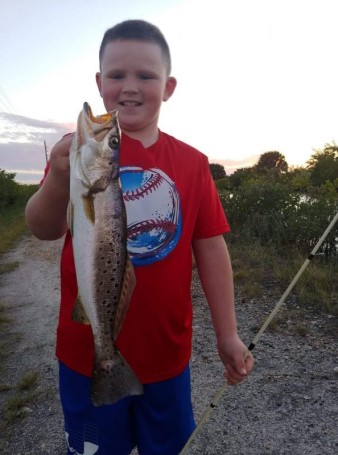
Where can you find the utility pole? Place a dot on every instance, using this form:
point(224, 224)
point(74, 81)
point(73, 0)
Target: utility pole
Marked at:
point(46, 152)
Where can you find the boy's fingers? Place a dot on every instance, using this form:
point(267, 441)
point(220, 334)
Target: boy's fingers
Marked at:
point(249, 361)
point(237, 371)
point(244, 362)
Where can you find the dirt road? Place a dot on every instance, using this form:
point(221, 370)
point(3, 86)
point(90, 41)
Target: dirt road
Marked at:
point(288, 406)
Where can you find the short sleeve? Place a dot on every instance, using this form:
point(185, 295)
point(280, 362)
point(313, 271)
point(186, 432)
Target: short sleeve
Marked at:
point(211, 219)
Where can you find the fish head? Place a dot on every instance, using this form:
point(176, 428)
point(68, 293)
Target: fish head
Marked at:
point(96, 153)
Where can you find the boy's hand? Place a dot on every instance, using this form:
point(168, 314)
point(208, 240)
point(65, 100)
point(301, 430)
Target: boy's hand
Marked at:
point(236, 358)
point(59, 160)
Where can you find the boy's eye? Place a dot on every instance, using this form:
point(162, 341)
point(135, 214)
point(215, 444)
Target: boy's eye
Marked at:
point(146, 76)
point(116, 76)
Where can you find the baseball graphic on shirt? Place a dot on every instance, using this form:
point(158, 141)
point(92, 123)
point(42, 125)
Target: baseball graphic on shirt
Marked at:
point(153, 214)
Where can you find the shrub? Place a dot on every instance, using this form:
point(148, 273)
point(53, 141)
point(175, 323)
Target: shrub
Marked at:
point(8, 189)
point(271, 212)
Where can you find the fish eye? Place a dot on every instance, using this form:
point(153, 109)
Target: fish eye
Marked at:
point(113, 142)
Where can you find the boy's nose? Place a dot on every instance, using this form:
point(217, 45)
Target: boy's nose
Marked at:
point(130, 86)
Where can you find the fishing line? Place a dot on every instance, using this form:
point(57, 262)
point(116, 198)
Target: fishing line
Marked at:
point(219, 394)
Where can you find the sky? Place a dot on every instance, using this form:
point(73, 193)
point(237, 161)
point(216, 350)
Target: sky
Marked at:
point(253, 75)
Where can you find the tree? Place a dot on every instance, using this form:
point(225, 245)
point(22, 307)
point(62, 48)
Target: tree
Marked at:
point(271, 162)
point(217, 171)
point(240, 176)
point(298, 179)
point(323, 165)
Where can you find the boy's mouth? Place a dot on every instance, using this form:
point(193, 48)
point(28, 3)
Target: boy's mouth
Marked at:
point(129, 103)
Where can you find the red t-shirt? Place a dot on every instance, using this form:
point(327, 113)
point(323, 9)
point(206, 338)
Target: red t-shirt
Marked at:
point(170, 200)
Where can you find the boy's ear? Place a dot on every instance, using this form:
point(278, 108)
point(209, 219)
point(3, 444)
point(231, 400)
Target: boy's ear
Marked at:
point(98, 81)
point(169, 88)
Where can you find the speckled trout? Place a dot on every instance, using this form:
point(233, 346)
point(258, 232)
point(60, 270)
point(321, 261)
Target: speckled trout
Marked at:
point(105, 275)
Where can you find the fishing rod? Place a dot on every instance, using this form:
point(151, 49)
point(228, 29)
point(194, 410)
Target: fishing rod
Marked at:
point(219, 394)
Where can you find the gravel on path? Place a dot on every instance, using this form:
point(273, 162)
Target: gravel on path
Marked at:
point(289, 405)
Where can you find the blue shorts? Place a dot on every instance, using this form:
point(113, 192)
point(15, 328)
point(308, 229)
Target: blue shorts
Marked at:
point(159, 422)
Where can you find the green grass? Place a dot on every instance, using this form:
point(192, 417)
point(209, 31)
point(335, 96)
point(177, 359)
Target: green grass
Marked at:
point(8, 267)
point(5, 387)
point(28, 381)
point(3, 351)
point(318, 284)
point(12, 226)
point(18, 405)
point(301, 329)
point(4, 319)
point(265, 270)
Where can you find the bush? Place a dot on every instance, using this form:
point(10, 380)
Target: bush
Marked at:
point(309, 219)
point(270, 212)
point(13, 193)
point(256, 210)
point(8, 189)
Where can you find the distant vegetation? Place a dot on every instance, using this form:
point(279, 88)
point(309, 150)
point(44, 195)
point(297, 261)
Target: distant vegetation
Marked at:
point(277, 215)
point(13, 198)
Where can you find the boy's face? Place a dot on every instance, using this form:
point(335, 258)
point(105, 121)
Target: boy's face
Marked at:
point(134, 81)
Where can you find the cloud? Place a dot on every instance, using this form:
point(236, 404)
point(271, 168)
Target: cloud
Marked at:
point(22, 149)
point(231, 165)
point(22, 141)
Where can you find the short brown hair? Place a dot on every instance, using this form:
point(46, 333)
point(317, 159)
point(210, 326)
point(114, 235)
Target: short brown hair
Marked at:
point(139, 30)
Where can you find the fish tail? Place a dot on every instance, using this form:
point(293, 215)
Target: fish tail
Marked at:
point(112, 380)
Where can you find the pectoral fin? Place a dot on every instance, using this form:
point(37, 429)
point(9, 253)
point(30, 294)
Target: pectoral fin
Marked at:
point(70, 216)
point(88, 206)
point(79, 313)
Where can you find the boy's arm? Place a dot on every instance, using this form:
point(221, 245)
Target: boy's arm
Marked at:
point(46, 211)
point(215, 271)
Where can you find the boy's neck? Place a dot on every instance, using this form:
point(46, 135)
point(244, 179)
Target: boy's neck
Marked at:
point(147, 138)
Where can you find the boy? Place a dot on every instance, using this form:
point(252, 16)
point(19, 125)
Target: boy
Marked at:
point(162, 179)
